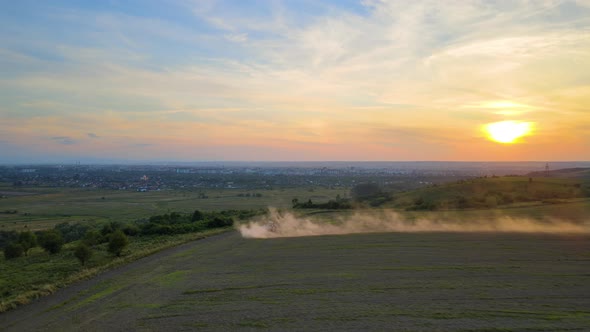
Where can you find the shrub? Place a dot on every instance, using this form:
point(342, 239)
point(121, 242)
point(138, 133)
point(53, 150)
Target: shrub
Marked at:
point(72, 232)
point(219, 222)
point(117, 243)
point(7, 237)
point(83, 253)
point(92, 237)
point(27, 240)
point(110, 228)
point(197, 216)
point(131, 230)
point(13, 250)
point(51, 241)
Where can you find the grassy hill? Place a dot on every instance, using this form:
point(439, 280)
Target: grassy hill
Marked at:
point(579, 173)
point(492, 192)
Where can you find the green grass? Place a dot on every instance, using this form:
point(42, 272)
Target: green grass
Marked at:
point(98, 295)
point(171, 279)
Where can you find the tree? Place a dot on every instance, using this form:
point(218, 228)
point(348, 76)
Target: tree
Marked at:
point(83, 253)
point(117, 243)
point(51, 241)
point(27, 240)
point(197, 216)
point(220, 222)
point(7, 237)
point(13, 250)
point(131, 230)
point(92, 237)
point(72, 232)
point(110, 228)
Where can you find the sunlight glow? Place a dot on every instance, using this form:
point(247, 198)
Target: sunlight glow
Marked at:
point(504, 104)
point(507, 131)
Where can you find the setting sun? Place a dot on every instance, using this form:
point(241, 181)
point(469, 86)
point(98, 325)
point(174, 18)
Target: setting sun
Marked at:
point(507, 131)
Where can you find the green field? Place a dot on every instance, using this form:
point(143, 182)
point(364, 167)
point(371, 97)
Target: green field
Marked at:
point(46, 207)
point(389, 281)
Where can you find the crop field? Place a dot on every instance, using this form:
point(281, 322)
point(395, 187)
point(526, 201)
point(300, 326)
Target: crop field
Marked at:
point(42, 208)
point(379, 281)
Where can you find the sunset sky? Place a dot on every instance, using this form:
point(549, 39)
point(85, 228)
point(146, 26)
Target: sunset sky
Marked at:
point(109, 81)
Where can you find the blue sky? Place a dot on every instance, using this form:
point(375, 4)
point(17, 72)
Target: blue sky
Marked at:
point(292, 80)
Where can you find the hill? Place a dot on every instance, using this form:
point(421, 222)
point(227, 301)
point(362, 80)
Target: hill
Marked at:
point(491, 192)
point(579, 173)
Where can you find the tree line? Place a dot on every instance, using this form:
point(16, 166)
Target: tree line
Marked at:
point(115, 235)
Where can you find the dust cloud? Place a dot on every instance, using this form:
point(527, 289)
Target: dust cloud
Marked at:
point(285, 224)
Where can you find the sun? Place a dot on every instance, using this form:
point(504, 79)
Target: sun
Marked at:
point(507, 132)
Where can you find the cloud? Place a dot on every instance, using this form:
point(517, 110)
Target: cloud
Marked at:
point(237, 38)
point(64, 140)
point(378, 73)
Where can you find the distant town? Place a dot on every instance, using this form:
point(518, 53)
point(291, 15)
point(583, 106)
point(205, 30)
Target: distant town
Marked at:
point(269, 175)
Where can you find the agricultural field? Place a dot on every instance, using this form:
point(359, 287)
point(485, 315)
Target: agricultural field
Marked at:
point(43, 208)
point(380, 281)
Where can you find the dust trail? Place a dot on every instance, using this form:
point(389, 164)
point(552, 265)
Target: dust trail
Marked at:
point(285, 224)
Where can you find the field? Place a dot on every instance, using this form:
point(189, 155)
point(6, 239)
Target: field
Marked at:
point(382, 281)
point(42, 208)
point(39, 273)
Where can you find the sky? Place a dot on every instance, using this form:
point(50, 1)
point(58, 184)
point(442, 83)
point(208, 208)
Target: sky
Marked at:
point(293, 80)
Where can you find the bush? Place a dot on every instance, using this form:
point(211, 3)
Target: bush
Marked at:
point(7, 237)
point(72, 232)
point(83, 253)
point(51, 241)
point(219, 222)
point(110, 228)
point(27, 240)
point(197, 216)
point(117, 243)
point(13, 250)
point(93, 237)
point(131, 230)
